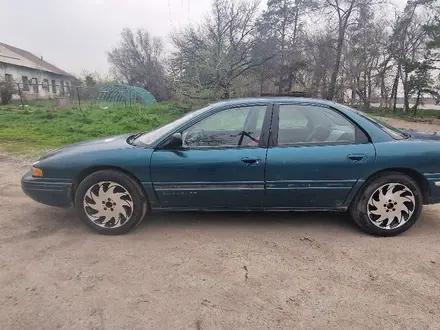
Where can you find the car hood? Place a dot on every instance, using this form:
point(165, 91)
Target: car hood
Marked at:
point(420, 135)
point(107, 143)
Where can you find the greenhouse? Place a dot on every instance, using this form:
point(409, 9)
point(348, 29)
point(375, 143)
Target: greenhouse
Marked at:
point(125, 95)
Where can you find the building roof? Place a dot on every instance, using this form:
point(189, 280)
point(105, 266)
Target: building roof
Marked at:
point(16, 56)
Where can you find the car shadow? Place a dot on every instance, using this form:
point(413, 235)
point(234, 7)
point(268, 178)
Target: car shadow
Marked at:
point(292, 220)
point(47, 220)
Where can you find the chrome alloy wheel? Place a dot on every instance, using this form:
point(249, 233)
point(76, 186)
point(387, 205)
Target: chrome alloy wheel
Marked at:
point(108, 204)
point(391, 206)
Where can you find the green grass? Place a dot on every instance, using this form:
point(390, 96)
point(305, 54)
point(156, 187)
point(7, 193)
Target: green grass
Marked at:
point(39, 128)
point(36, 129)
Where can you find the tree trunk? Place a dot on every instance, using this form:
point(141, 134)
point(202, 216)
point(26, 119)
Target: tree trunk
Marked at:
point(416, 104)
point(283, 45)
point(383, 98)
point(292, 78)
point(342, 27)
point(395, 88)
point(335, 72)
point(315, 84)
point(353, 91)
point(226, 92)
point(364, 89)
point(405, 93)
point(341, 97)
point(369, 88)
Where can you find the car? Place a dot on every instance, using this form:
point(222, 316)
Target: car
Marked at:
point(267, 153)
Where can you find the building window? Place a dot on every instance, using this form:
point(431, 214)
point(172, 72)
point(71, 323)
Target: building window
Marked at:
point(8, 78)
point(54, 87)
point(67, 88)
point(45, 85)
point(35, 84)
point(25, 81)
point(62, 87)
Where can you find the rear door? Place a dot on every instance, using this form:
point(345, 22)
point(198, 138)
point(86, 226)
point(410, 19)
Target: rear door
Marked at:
point(317, 157)
point(222, 162)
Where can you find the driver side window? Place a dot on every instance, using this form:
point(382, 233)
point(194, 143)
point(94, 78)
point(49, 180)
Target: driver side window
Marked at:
point(236, 127)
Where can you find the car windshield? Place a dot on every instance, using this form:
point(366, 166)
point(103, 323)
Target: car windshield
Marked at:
point(150, 137)
point(394, 132)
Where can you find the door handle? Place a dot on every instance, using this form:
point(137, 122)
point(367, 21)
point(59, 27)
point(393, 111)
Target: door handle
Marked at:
point(357, 158)
point(251, 160)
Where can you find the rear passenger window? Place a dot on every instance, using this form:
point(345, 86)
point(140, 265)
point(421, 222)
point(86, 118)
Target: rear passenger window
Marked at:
point(308, 124)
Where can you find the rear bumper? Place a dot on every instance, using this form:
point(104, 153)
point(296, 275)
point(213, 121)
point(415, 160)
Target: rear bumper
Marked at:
point(434, 187)
point(54, 192)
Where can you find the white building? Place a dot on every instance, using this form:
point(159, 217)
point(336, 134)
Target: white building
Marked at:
point(36, 78)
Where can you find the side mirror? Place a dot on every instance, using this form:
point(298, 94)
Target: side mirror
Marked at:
point(174, 142)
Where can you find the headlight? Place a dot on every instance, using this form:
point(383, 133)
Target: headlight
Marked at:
point(36, 172)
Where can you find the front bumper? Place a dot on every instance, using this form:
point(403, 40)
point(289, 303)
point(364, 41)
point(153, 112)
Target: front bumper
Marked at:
point(54, 192)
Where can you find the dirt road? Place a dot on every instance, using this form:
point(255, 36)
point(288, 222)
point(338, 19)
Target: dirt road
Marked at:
point(211, 271)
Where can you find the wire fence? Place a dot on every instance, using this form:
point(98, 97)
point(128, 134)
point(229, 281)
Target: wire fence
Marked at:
point(71, 96)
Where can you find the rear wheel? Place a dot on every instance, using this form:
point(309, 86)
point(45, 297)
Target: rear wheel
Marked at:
point(110, 202)
point(388, 205)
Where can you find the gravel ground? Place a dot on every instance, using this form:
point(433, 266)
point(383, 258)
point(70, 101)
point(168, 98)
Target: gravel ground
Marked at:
point(212, 271)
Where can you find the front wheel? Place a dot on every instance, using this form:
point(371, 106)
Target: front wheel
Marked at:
point(110, 202)
point(388, 205)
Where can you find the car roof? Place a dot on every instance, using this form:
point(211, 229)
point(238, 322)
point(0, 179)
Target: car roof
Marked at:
point(272, 99)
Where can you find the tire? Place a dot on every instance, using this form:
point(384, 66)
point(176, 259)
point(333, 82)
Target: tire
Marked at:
point(387, 205)
point(110, 202)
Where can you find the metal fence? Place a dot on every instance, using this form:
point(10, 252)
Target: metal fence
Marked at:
point(67, 95)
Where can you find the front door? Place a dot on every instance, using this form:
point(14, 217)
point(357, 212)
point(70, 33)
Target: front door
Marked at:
point(318, 157)
point(221, 164)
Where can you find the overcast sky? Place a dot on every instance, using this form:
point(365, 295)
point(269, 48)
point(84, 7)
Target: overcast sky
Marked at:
point(76, 34)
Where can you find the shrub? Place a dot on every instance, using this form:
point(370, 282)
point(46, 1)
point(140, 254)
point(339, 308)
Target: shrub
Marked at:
point(6, 92)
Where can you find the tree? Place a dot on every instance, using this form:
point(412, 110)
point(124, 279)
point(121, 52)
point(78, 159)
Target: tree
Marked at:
point(278, 27)
point(6, 92)
point(420, 82)
point(138, 60)
point(267, 72)
point(281, 29)
point(362, 55)
point(407, 42)
point(432, 53)
point(344, 10)
point(344, 50)
point(210, 58)
point(90, 81)
point(320, 54)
